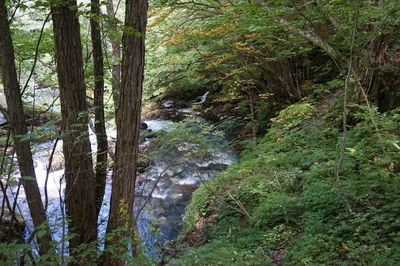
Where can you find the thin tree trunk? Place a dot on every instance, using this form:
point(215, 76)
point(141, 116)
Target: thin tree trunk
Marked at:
point(16, 118)
point(100, 127)
point(79, 176)
point(253, 119)
point(116, 55)
point(128, 120)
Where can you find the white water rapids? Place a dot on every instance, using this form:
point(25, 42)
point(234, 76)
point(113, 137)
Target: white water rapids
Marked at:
point(173, 185)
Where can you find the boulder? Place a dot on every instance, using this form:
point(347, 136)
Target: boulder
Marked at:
point(143, 126)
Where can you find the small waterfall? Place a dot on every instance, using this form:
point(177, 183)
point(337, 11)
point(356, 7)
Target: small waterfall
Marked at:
point(201, 99)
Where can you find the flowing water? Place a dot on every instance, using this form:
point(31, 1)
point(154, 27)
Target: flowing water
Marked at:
point(163, 190)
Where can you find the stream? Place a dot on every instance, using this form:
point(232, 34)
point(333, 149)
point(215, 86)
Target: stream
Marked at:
point(162, 192)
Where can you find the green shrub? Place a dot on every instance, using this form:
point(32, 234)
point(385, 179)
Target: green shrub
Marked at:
point(220, 252)
point(297, 207)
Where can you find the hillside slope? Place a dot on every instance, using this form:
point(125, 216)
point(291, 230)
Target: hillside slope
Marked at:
point(284, 202)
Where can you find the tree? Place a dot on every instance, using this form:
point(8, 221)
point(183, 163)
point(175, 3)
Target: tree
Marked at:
point(100, 127)
point(16, 118)
point(79, 176)
point(116, 55)
point(128, 121)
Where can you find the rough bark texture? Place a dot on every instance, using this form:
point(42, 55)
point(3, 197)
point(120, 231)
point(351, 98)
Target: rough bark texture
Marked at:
point(128, 121)
point(79, 176)
point(16, 119)
point(100, 126)
point(116, 55)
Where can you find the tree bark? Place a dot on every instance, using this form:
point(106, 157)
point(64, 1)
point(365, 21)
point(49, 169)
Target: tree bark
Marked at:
point(79, 176)
point(116, 55)
point(100, 127)
point(16, 119)
point(128, 121)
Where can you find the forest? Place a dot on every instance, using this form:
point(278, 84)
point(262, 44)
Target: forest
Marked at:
point(199, 132)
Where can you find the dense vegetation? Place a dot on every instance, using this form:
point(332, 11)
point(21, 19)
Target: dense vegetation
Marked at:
point(312, 89)
point(307, 92)
point(283, 202)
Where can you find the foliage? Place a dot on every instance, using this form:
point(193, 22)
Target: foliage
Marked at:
point(190, 139)
point(88, 254)
point(228, 254)
point(296, 206)
point(282, 201)
point(241, 45)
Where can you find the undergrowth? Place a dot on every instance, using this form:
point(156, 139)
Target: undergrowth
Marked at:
point(296, 206)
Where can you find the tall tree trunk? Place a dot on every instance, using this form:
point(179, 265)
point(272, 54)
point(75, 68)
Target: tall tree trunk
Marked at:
point(79, 176)
point(128, 120)
point(116, 55)
point(100, 127)
point(16, 118)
